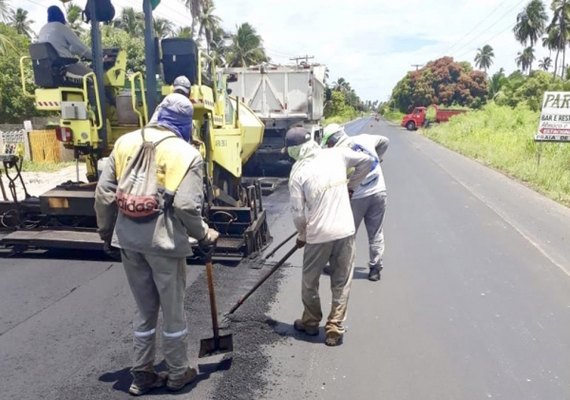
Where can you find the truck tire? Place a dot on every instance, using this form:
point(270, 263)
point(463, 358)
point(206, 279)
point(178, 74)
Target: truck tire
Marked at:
point(411, 126)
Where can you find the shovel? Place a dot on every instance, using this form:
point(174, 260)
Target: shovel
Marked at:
point(218, 344)
point(260, 282)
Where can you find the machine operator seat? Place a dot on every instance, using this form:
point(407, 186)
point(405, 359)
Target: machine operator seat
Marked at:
point(50, 68)
point(179, 57)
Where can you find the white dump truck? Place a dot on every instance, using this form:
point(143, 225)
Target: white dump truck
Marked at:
point(281, 96)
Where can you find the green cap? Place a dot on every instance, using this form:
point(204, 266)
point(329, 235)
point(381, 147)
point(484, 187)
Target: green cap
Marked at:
point(329, 131)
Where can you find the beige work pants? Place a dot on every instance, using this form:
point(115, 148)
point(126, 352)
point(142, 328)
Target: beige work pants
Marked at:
point(158, 282)
point(340, 255)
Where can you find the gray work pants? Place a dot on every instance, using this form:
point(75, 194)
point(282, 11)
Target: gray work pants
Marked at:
point(158, 282)
point(372, 210)
point(340, 255)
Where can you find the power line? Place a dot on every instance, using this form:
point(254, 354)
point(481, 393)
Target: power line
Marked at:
point(490, 27)
point(476, 26)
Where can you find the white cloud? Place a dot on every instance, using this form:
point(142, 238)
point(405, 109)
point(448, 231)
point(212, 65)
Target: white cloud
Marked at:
point(371, 43)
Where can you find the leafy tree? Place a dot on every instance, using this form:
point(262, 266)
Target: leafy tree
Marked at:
point(545, 63)
point(74, 20)
point(5, 10)
point(130, 21)
point(246, 47)
point(195, 7)
point(133, 45)
point(525, 58)
point(185, 32)
point(528, 90)
point(19, 20)
point(443, 82)
point(163, 28)
point(496, 83)
point(484, 57)
point(531, 24)
point(14, 106)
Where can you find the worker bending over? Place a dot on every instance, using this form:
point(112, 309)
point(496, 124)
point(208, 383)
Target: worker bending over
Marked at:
point(321, 212)
point(368, 201)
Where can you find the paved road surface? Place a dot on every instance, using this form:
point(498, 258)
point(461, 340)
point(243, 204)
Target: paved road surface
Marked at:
point(474, 303)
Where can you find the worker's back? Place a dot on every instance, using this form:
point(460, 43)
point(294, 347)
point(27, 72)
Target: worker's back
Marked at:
point(323, 183)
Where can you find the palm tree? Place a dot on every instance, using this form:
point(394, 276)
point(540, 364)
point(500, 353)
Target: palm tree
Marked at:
point(195, 7)
point(184, 32)
point(496, 82)
point(19, 21)
point(525, 58)
point(74, 21)
point(342, 85)
point(484, 57)
point(552, 41)
point(4, 10)
point(163, 28)
point(545, 63)
point(208, 23)
point(246, 47)
point(558, 28)
point(218, 48)
point(531, 23)
point(130, 21)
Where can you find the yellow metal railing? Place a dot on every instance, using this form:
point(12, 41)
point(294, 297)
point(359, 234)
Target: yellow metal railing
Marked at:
point(143, 117)
point(97, 100)
point(23, 77)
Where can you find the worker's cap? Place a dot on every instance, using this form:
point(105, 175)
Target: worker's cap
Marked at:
point(182, 84)
point(296, 136)
point(331, 134)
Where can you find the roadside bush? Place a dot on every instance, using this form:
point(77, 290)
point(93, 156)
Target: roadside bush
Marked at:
point(503, 137)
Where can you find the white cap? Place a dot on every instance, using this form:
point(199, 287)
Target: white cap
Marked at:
point(183, 84)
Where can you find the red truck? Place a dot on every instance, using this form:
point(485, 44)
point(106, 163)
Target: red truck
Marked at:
point(418, 117)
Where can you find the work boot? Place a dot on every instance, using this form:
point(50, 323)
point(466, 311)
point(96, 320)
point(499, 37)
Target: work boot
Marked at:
point(374, 274)
point(307, 330)
point(189, 376)
point(144, 381)
point(333, 339)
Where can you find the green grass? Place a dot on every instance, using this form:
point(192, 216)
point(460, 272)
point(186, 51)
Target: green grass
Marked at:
point(503, 138)
point(394, 116)
point(30, 166)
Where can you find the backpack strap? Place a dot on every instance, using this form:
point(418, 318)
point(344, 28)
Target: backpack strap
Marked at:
point(158, 141)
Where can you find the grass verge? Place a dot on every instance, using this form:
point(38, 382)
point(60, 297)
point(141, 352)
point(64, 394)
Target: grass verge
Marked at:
point(394, 116)
point(503, 138)
point(30, 166)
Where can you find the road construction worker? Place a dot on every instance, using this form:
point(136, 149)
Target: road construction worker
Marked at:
point(368, 201)
point(181, 85)
point(321, 213)
point(65, 42)
point(154, 250)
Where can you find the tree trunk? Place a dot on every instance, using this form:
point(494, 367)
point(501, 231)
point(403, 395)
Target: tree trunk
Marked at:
point(556, 62)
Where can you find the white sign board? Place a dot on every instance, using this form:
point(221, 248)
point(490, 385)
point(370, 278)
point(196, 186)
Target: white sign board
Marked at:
point(554, 123)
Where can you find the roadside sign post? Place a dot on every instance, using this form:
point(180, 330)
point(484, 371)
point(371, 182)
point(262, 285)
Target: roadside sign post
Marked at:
point(554, 125)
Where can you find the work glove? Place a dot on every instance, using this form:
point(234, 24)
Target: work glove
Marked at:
point(300, 243)
point(210, 239)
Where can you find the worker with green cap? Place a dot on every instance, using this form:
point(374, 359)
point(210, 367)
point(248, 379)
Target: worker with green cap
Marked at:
point(320, 205)
point(368, 201)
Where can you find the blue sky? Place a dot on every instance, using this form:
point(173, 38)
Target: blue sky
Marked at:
point(370, 43)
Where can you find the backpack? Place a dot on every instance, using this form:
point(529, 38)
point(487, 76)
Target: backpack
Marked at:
point(137, 190)
point(105, 11)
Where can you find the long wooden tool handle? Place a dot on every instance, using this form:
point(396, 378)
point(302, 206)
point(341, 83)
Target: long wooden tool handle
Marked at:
point(213, 308)
point(265, 277)
point(280, 245)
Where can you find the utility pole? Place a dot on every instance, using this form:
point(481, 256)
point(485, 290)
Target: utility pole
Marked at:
point(305, 57)
point(417, 66)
